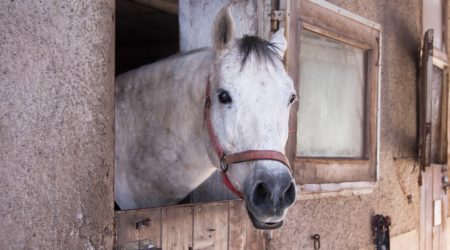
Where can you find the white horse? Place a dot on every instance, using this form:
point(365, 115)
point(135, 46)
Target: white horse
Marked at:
point(163, 148)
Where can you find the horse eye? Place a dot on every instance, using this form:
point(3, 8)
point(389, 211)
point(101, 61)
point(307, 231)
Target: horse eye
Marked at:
point(293, 99)
point(224, 97)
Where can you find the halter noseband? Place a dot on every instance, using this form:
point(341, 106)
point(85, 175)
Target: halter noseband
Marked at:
point(249, 155)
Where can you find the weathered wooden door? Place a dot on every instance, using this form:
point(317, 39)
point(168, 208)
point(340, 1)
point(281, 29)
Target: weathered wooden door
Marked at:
point(216, 226)
point(433, 103)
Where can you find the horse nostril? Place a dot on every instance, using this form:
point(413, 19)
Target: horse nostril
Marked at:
point(260, 194)
point(288, 195)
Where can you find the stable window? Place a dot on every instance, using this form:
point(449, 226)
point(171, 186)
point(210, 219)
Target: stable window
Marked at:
point(334, 61)
point(331, 110)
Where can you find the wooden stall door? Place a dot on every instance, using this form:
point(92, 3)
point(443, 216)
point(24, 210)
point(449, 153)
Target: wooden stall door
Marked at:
point(433, 99)
point(213, 226)
point(433, 209)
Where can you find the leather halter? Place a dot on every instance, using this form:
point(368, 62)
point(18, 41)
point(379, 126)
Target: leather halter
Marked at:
point(249, 155)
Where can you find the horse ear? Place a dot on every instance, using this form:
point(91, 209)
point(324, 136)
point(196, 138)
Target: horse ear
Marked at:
point(223, 30)
point(279, 41)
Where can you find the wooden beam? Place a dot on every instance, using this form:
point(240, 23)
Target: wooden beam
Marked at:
point(168, 6)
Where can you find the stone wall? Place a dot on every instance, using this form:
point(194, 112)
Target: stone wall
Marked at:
point(56, 124)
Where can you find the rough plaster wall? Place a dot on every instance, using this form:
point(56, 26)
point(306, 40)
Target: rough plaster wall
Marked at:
point(344, 222)
point(56, 124)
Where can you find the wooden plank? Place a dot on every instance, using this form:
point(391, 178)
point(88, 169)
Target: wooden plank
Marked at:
point(177, 227)
point(444, 232)
point(126, 8)
point(263, 9)
point(126, 226)
point(284, 5)
point(437, 195)
point(440, 55)
point(347, 28)
point(242, 234)
point(422, 211)
point(372, 98)
point(256, 239)
point(211, 226)
point(330, 160)
point(436, 120)
point(444, 119)
point(335, 36)
point(223, 225)
point(292, 65)
point(237, 224)
point(425, 95)
point(334, 171)
point(169, 6)
point(428, 209)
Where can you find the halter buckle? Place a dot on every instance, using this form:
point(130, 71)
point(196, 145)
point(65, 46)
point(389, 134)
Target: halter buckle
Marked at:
point(223, 164)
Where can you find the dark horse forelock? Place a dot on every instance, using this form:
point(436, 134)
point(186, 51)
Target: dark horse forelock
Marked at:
point(263, 50)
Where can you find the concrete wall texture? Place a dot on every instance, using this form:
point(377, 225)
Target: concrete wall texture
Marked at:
point(56, 124)
point(344, 222)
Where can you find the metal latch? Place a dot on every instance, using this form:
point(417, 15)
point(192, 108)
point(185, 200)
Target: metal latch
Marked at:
point(277, 16)
point(380, 231)
point(445, 183)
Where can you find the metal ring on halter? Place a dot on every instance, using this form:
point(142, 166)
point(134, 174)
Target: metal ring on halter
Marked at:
point(223, 164)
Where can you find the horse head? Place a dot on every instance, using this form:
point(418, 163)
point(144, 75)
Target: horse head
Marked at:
point(248, 103)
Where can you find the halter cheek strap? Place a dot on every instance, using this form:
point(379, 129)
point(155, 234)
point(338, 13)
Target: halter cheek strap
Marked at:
point(249, 155)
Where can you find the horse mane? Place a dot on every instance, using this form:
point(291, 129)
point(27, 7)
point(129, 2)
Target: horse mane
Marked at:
point(263, 50)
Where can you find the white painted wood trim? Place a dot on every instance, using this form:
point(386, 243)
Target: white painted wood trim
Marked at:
point(440, 59)
point(438, 62)
point(380, 65)
point(346, 13)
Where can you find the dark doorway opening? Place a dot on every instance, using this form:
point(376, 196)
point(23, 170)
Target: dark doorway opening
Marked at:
point(144, 34)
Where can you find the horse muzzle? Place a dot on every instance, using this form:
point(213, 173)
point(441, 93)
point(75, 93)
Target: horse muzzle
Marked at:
point(268, 195)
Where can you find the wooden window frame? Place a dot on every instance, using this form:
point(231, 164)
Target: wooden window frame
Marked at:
point(320, 174)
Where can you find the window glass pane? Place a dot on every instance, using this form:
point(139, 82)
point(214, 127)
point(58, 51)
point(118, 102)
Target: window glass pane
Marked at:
point(331, 98)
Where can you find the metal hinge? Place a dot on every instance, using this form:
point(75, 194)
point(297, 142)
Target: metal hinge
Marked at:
point(277, 17)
